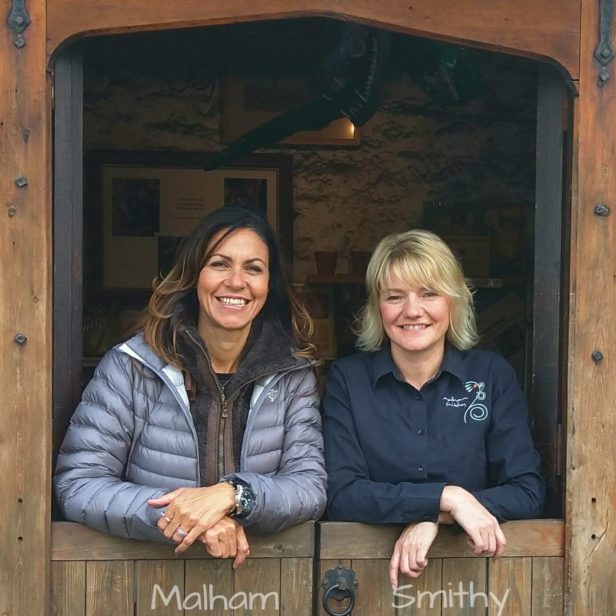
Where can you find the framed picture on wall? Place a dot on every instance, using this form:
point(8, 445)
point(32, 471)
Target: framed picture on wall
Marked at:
point(140, 205)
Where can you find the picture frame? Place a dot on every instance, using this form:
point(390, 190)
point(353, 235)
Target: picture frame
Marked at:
point(251, 100)
point(139, 205)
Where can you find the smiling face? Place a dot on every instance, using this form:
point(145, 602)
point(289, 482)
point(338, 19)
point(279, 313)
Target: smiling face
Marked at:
point(233, 285)
point(415, 319)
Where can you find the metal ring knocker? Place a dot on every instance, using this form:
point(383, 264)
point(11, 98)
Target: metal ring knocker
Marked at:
point(339, 584)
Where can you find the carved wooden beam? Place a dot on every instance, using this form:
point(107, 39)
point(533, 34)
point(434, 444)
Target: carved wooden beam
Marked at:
point(549, 29)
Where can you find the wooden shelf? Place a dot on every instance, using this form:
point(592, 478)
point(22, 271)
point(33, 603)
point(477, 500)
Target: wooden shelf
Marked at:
point(477, 283)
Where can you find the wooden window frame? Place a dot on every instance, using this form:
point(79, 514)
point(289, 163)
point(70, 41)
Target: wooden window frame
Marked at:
point(552, 200)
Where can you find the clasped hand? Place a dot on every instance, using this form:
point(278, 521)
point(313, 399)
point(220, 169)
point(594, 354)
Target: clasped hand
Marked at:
point(411, 551)
point(201, 514)
point(485, 535)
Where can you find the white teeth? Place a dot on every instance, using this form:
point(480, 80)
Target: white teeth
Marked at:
point(414, 326)
point(233, 301)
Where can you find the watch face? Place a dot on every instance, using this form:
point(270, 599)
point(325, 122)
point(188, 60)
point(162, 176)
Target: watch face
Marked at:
point(247, 501)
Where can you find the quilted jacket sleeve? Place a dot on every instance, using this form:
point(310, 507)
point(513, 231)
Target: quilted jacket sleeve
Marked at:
point(297, 492)
point(88, 479)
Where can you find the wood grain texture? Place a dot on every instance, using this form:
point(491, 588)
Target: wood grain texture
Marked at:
point(296, 584)
point(547, 377)
point(464, 575)
point(109, 588)
point(422, 596)
point(355, 541)
point(510, 582)
point(258, 581)
point(160, 588)
point(591, 421)
point(25, 308)
point(373, 594)
point(68, 589)
point(214, 574)
point(71, 541)
point(547, 29)
point(68, 240)
point(548, 579)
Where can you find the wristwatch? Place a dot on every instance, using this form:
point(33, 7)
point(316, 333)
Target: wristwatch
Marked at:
point(244, 498)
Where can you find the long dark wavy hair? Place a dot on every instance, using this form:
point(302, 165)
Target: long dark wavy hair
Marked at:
point(174, 299)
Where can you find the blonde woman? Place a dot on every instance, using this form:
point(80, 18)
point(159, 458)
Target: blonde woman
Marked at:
point(420, 429)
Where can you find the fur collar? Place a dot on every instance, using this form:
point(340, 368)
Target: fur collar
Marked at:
point(268, 351)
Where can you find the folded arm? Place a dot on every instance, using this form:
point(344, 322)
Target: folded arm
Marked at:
point(297, 492)
point(91, 461)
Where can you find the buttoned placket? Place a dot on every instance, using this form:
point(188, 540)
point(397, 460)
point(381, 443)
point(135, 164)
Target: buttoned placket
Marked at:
point(420, 425)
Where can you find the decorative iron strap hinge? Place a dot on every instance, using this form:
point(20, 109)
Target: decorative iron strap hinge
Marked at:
point(18, 20)
point(604, 53)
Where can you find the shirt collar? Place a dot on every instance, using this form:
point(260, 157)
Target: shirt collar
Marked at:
point(383, 363)
point(453, 362)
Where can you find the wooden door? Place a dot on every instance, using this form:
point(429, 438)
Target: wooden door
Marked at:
point(94, 574)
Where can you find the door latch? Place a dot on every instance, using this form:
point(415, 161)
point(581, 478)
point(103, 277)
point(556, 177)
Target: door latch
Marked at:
point(339, 585)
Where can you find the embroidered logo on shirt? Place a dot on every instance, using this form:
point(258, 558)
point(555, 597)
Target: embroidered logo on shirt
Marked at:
point(476, 411)
point(271, 394)
point(455, 402)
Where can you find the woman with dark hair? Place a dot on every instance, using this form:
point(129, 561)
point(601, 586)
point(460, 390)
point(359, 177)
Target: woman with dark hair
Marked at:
point(420, 428)
point(207, 420)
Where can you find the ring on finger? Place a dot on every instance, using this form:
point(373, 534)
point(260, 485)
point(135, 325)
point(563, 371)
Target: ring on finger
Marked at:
point(180, 532)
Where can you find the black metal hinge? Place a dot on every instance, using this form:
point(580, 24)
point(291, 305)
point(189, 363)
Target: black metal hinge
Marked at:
point(18, 20)
point(604, 53)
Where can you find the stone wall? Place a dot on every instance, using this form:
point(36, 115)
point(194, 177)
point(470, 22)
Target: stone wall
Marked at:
point(413, 150)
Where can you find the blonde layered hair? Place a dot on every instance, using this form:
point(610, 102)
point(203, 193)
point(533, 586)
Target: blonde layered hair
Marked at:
point(421, 258)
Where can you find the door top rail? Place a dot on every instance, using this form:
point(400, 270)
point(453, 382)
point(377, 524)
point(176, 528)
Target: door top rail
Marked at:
point(72, 541)
point(346, 540)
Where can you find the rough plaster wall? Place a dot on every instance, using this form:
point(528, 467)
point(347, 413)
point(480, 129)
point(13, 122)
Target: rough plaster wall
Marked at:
point(412, 150)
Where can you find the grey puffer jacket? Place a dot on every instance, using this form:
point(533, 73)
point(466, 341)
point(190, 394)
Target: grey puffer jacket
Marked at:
point(132, 438)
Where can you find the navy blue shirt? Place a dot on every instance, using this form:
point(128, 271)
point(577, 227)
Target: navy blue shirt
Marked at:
point(390, 449)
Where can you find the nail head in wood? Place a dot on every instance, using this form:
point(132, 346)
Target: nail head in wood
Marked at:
point(21, 339)
point(597, 356)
